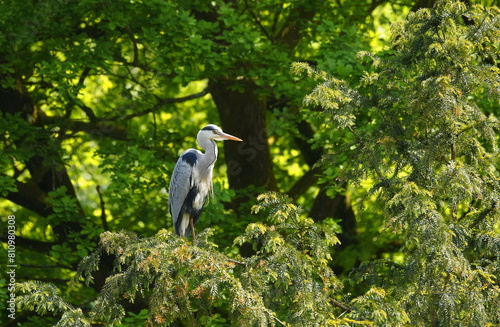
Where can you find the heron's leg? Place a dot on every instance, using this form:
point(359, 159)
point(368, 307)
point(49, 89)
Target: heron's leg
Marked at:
point(191, 224)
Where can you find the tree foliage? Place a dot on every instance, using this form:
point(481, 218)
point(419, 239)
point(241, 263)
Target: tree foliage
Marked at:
point(99, 100)
point(430, 152)
point(286, 281)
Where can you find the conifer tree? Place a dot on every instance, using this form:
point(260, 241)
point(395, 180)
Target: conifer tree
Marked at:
point(286, 282)
point(422, 131)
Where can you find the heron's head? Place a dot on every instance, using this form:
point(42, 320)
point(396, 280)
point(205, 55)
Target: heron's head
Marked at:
point(214, 132)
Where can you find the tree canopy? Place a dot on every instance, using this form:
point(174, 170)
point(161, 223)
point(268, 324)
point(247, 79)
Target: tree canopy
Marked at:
point(369, 130)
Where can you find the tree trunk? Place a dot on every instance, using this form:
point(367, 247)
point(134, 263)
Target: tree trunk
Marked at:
point(45, 166)
point(243, 114)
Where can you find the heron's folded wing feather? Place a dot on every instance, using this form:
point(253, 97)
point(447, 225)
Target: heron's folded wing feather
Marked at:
point(180, 183)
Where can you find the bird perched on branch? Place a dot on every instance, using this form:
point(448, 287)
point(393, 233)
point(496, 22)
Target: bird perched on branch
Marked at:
point(191, 180)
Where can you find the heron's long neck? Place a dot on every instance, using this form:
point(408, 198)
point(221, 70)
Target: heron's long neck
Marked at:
point(210, 154)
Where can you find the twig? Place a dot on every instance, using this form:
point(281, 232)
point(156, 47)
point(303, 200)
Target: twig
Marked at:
point(340, 305)
point(274, 317)
point(344, 307)
point(237, 262)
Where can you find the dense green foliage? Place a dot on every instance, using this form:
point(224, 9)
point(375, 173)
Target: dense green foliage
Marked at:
point(390, 148)
point(197, 284)
point(430, 151)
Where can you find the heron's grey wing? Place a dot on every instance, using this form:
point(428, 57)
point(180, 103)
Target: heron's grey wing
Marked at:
point(180, 183)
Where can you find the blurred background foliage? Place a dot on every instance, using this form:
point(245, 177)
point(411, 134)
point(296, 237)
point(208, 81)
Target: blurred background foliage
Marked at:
point(99, 98)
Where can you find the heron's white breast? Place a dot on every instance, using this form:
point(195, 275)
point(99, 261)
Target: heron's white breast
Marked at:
point(204, 184)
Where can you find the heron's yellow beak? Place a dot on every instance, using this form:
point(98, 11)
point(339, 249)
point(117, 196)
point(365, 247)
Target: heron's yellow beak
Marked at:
point(225, 136)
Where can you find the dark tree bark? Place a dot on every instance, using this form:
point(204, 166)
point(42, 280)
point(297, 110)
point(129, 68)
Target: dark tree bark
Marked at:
point(339, 208)
point(324, 206)
point(419, 4)
point(45, 167)
point(244, 115)
point(47, 173)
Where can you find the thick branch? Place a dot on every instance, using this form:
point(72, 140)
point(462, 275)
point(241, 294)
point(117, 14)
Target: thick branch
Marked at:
point(296, 20)
point(304, 183)
point(375, 4)
point(100, 129)
point(30, 196)
point(33, 245)
point(256, 20)
point(25, 265)
point(306, 132)
point(88, 111)
point(481, 216)
point(160, 103)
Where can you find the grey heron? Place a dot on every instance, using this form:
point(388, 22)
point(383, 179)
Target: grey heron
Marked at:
point(191, 180)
